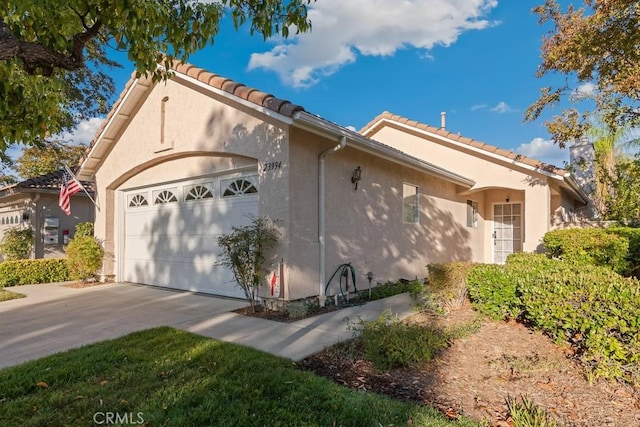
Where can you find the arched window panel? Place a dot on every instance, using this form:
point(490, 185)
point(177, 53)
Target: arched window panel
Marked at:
point(161, 197)
point(138, 200)
point(197, 192)
point(239, 186)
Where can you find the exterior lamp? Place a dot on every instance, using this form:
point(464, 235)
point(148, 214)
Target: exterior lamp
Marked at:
point(356, 176)
point(370, 278)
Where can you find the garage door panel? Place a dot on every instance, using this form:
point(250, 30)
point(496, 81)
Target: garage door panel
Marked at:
point(175, 244)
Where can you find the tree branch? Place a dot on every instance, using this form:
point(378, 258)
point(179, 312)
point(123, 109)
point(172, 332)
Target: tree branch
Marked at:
point(39, 59)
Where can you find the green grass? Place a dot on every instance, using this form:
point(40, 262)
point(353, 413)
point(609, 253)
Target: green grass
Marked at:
point(6, 295)
point(174, 378)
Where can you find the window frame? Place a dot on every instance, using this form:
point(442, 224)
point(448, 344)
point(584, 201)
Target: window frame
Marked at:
point(472, 213)
point(415, 206)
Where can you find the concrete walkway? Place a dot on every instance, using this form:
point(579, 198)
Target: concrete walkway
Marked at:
point(55, 318)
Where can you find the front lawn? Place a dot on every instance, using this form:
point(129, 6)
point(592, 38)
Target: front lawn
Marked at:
point(168, 377)
point(6, 295)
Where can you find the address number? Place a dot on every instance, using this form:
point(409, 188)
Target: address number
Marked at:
point(270, 166)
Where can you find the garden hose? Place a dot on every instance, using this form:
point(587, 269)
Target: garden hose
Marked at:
point(344, 270)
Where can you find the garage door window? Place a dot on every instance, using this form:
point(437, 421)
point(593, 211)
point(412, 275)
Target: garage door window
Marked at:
point(137, 200)
point(238, 187)
point(197, 192)
point(164, 196)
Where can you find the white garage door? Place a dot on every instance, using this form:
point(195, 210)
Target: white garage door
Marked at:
point(171, 232)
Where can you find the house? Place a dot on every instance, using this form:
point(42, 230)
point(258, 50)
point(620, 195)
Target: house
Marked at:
point(34, 203)
point(177, 163)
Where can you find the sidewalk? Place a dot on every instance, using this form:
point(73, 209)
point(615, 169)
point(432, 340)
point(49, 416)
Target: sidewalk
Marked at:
point(55, 318)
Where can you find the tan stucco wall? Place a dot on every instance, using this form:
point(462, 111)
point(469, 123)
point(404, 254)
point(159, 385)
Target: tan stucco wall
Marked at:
point(204, 136)
point(488, 173)
point(366, 227)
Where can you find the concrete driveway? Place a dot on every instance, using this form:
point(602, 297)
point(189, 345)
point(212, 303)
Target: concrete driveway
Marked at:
point(54, 318)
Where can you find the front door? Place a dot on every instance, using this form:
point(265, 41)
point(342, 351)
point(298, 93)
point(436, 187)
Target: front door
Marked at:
point(507, 230)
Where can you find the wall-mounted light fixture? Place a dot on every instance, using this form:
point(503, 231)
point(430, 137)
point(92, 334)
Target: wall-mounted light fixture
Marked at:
point(356, 176)
point(507, 199)
point(25, 216)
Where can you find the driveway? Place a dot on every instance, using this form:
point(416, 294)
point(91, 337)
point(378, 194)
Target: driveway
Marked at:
point(54, 318)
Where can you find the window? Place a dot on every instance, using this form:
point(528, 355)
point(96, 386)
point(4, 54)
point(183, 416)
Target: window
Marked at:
point(238, 187)
point(472, 214)
point(137, 200)
point(164, 196)
point(410, 203)
point(198, 192)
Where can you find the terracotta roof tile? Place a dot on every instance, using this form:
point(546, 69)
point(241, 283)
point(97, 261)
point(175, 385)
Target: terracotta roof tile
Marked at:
point(464, 140)
point(50, 181)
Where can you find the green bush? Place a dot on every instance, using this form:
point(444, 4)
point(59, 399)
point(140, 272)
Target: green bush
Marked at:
point(30, 271)
point(84, 257)
point(593, 246)
point(389, 342)
point(16, 243)
point(448, 284)
point(388, 289)
point(83, 229)
point(592, 308)
point(633, 254)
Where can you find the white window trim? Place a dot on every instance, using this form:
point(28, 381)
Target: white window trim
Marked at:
point(417, 204)
point(474, 212)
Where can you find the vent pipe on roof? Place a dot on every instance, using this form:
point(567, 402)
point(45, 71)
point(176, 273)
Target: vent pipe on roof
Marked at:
point(443, 120)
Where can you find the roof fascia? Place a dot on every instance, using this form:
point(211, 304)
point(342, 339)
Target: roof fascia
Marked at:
point(325, 128)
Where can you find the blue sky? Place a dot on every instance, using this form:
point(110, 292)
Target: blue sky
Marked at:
point(474, 59)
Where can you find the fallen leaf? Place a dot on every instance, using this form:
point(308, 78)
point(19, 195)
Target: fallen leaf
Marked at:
point(42, 384)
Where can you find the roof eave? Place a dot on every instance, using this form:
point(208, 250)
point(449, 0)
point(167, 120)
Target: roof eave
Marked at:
point(323, 127)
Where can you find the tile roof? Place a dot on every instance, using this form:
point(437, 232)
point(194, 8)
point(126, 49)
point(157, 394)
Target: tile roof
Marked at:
point(50, 181)
point(510, 155)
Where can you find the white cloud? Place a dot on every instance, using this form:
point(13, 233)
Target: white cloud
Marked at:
point(478, 107)
point(544, 150)
point(342, 30)
point(84, 132)
point(583, 91)
point(502, 107)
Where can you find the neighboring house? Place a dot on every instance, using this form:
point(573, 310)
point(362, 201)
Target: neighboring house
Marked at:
point(178, 163)
point(34, 203)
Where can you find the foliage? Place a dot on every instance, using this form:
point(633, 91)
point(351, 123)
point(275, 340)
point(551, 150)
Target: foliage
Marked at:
point(243, 252)
point(31, 271)
point(84, 257)
point(176, 378)
point(47, 158)
point(447, 285)
point(633, 254)
point(83, 229)
point(389, 289)
point(6, 295)
point(594, 246)
point(390, 343)
point(592, 308)
point(625, 192)
point(525, 413)
point(16, 243)
point(52, 53)
point(596, 44)
point(297, 309)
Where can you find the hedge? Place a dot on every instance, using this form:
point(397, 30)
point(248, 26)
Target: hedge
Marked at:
point(31, 271)
point(633, 254)
point(591, 308)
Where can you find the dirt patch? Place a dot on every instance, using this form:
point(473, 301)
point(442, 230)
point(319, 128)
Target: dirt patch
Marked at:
point(285, 317)
point(476, 374)
point(80, 284)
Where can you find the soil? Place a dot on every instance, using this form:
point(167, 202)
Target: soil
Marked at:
point(475, 375)
point(283, 316)
point(80, 284)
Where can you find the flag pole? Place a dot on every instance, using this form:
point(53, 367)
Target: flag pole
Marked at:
point(80, 184)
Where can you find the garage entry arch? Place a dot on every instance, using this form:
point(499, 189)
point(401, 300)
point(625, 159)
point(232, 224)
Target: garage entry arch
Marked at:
point(170, 231)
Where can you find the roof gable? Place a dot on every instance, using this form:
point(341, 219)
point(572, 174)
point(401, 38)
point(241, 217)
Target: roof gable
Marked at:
point(508, 156)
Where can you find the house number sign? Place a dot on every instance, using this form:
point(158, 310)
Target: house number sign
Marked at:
point(271, 166)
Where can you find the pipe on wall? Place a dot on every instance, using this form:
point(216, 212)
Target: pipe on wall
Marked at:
point(321, 215)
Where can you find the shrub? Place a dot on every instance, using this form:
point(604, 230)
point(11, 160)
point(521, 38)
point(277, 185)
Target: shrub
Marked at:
point(243, 253)
point(16, 243)
point(592, 246)
point(389, 342)
point(448, 284)
point(84, 257)
point(389, 289)
point(83, 229)
point(633, 254)
point(30, 271)
point(493, 291)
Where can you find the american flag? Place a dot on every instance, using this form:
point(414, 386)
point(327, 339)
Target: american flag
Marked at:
point(68, 188)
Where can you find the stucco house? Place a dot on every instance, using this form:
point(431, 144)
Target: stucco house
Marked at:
point(176, 164)
point(34, 203)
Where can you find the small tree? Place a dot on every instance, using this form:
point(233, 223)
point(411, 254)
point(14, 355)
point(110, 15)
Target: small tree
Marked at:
point(83, 229)
point(16, 243)
point(243, 252)
point(84, 257)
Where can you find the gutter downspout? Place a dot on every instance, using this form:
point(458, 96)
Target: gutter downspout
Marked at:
point(321, 215)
